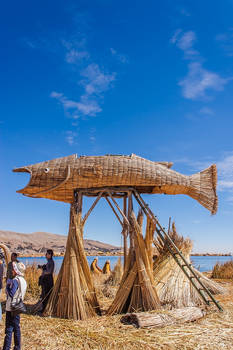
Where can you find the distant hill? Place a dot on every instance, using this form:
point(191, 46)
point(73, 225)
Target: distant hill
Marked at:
point(38, 242)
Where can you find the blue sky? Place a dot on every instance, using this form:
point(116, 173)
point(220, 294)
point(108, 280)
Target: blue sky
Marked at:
point(154, 78)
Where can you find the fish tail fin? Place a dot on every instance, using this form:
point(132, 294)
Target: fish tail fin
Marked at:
point(203, 188)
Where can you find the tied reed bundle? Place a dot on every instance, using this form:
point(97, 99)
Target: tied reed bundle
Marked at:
point(137, 291)
point(173, 287)
point(74, 295)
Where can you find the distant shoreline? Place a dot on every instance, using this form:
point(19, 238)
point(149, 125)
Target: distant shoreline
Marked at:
point(112, 254)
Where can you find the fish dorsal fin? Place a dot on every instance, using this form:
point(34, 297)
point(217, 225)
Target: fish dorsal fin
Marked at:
point(166, 164)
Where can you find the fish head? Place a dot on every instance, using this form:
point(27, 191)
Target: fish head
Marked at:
point(46, 175)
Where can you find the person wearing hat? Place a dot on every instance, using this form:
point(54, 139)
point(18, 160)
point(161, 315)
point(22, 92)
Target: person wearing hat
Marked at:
point(15, 289)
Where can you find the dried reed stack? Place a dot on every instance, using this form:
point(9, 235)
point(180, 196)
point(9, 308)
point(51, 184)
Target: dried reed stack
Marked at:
point(173, 287)
point(137, 292)
point(6, 252)
point(74, 295)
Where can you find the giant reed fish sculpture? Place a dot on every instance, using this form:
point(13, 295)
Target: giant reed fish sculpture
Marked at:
point(58, 178)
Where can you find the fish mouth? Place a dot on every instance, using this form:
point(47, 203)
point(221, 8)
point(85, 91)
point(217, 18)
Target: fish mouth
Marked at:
point(23, 170)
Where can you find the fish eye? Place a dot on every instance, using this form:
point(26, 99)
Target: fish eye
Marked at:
point(46, 170)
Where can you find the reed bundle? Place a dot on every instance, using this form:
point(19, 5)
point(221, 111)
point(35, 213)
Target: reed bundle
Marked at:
point(6, 252)
point(162, 319)
point(136, 291)
point(74, 295)
point(173, 287)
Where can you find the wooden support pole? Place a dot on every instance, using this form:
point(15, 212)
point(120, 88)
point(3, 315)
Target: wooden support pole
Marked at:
point(92, 207)
point(130, 209)
point(113, 209)
point(125, 230)
point(114, 201)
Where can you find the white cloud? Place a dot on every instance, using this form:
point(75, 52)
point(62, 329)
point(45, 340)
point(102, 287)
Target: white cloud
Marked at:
point(95, 83)
point(225, 169)
point(225, 41)
point(74, 56)
point(199, 80)
point(70, 137)
point(206, 111)
point(185, 41)
point(120, 57)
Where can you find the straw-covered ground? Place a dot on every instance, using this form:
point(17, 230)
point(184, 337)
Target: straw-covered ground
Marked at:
point(213, 332)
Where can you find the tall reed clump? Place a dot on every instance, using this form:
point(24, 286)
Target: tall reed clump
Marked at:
point(32, 275)
point(74, 295)
point(224, 271)
point(137, 291)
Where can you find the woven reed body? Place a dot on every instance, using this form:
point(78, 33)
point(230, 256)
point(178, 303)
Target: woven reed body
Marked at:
point(57, 179)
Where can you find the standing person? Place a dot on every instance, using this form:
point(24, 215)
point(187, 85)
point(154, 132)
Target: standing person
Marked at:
point(1, 280)
point(14, 257)
point(46, 279)
point(15, 289)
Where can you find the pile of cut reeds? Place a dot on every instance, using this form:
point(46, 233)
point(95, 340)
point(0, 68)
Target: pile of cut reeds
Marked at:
point(74, 295)
point(137, 292)
point(174, 288)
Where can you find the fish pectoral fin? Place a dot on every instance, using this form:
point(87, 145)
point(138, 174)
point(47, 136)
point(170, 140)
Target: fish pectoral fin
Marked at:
point(90, 171)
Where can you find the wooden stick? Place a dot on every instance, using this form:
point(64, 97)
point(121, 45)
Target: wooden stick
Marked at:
point(114, 211)
point(125, 230)
point(92, 207)
point(123, 215)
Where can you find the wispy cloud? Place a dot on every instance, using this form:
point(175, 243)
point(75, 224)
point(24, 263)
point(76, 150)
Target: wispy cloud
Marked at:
point(95, 82)
point(74, 56)
point(90, 80)
point(184, 12)
point(225, 167)
point(120, 57)
point(225, 41)
point(185, 42)
point(198, 80)
point(71, 137)
point(206, 111)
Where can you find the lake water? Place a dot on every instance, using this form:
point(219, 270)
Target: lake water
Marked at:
point(202, 263)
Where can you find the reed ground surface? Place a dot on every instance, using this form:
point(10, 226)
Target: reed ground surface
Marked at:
point(213, 332)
